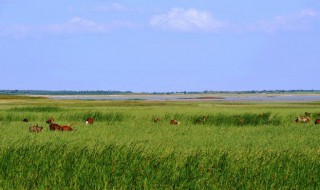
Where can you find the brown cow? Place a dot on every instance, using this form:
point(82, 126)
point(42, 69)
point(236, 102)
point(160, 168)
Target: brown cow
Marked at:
point(50, 121)
point(36, 129)
point(156, 120)
point(25, 120)
point(174, 122)
point(66, 128)
point(54, 127)
point(317, 121)
point(89, 121)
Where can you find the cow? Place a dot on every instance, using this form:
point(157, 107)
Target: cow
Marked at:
point(50, 121)
point(25, 120)
point(303, 119)
point(89, 121)
point(156, 120)
point(66, 128)
point(54, 127)
point(36, 129)
point(174, 122)
point(308, 119)
point(317, 122)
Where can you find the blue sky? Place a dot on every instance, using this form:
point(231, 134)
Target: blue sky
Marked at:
point(159, 46)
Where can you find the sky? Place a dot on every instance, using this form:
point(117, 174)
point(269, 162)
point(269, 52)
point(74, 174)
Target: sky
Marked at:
point(160, 46)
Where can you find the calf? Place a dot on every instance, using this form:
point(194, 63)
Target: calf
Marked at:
point(50, 121)
point(156, 120)
point(66, 128)
point(36, 129)
point(25, 120)
point(54, 127)
point(317, 121)
point(202, 119)
point(89, 121)
point(174, 122)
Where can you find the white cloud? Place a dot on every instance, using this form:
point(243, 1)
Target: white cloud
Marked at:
point(82, 25)
point(298, 21)
point(75, 25)
point(110, 8)
point(115, 7)
point(185, 20)
point(82, 22)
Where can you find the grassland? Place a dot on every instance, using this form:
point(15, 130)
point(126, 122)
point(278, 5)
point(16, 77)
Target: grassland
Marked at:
point(242, 145)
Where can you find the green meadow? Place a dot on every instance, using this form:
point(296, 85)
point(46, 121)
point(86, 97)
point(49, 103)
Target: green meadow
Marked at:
point(242, 145)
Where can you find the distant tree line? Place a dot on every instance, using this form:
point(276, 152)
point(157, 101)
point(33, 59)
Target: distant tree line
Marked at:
point(108, 92)
point(61, 92)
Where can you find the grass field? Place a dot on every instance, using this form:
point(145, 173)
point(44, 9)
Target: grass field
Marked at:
point(242, 145)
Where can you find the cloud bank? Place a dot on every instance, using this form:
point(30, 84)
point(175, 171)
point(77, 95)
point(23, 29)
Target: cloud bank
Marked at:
point(176, 19)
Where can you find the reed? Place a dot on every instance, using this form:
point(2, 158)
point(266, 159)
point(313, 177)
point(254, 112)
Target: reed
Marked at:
point(59, 166)
point(36, 109)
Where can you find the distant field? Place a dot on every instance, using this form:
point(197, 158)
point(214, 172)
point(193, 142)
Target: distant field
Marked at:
point(242, 145)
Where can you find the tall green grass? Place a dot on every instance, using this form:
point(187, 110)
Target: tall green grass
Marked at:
point(110, 117)
point(218, 119)
point(224, 119)
point(61, 114)
point(58, 166)
point(36, 109)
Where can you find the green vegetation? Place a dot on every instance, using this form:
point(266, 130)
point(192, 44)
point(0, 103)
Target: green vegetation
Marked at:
point(241, 145)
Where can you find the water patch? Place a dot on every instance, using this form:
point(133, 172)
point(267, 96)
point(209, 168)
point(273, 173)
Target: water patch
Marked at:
point(273, 98)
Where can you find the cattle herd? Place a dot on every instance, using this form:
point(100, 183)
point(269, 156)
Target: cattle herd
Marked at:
point(54, 126)
point(306, 118)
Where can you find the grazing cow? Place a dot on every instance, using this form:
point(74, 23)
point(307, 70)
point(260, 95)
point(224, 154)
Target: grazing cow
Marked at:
point(25, 120)
point(156, 120)
point(303, 119)
point(317, 122)
point(174, 122)
point(66, 128)
point(89, 121)
point(54, 127)
point(50, 121)
point(36, 129)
